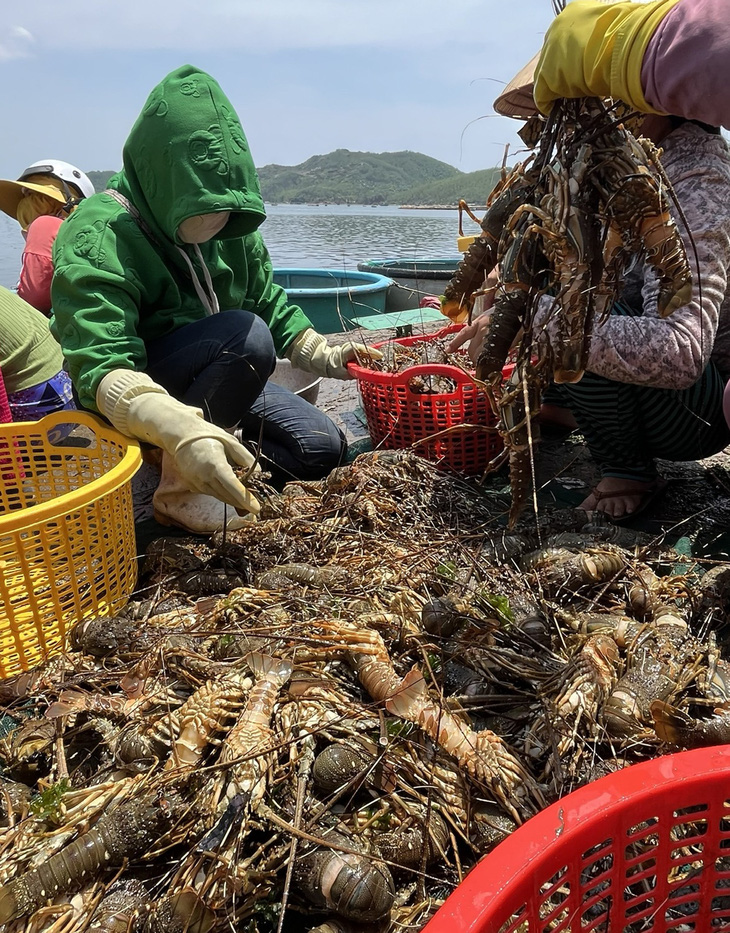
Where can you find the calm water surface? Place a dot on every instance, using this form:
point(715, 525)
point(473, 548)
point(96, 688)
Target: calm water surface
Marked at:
point(327, 236)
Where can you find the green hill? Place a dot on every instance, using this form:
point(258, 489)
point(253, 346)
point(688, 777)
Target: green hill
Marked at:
point(473, 187)
point(344, 177)
point(99, 179)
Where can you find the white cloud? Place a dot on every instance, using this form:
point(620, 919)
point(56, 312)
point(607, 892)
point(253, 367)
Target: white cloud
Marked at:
point(15, 42)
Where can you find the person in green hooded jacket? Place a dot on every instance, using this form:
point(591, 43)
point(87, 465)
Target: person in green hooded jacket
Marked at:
point(141, 272)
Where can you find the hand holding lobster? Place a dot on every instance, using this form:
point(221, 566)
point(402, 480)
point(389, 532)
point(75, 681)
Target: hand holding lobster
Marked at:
point(476, 330)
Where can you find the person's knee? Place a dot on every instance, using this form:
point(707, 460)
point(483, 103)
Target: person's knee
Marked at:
point(323, 452)
point(249, 339)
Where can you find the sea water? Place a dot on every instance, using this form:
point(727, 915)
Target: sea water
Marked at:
point(327, 236)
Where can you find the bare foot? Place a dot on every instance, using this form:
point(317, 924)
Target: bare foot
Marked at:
point(617, 497)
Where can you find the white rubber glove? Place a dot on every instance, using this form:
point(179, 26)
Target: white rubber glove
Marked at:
point(202, 451)
point(311, 353)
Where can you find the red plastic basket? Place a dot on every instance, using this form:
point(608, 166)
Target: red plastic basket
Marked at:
point(457, 430)
point(644, 850)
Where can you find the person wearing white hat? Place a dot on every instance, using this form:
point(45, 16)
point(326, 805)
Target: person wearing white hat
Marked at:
point(39, 199)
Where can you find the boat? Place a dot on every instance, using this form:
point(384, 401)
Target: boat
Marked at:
point(335, 300)
point(414, 279)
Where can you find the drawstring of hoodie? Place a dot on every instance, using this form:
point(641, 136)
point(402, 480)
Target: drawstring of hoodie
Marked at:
point(208, 280)
point(209, 300)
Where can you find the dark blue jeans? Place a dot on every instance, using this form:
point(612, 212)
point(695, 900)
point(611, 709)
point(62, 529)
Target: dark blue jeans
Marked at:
point(221, 365)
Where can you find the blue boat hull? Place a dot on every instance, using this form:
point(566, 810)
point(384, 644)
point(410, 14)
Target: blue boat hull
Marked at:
point(413, 279)
point(332, 299)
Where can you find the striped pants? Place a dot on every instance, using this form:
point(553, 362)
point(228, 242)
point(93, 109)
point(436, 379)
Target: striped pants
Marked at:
point(627, 426)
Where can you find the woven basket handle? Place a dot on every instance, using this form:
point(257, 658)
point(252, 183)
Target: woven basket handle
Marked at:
point(72, 416)
point(457, 375)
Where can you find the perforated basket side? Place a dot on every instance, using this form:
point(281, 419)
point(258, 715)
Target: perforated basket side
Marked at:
point(456, 430)
point(644, 850)
point(67, 543)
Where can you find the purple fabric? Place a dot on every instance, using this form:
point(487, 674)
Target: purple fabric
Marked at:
point(5, 414)
point(56, 394)
point(686, 67)
point(34, 403)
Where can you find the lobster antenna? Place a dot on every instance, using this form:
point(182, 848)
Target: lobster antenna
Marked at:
point(504, 159)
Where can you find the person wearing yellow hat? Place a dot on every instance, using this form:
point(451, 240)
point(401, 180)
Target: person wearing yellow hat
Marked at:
point(39, 199)
point(653, 386)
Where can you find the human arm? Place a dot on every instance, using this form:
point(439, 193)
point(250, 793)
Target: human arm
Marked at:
point(34, 285)
point(476, 332)
point(670, 56)
point(95, 320)
point(672, 352)
point(96, 295)
point(686, 69)
point(202, 452)
point(293, 333)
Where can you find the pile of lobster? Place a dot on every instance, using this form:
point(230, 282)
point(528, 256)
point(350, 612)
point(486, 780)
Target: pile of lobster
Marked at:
point(562, 228)
point(323, 720)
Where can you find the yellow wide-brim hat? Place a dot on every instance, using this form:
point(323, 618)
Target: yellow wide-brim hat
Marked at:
point(12, 192)
point(516, 99)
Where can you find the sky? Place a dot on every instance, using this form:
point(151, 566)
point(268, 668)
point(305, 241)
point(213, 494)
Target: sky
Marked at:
point(306, 76)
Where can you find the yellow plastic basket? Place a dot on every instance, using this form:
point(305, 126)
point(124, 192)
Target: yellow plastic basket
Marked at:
point(67, 546)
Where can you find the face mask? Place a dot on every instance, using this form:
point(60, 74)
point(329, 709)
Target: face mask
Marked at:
point(202, 227)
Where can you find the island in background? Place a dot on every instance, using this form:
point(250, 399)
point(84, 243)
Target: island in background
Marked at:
point(403, 179)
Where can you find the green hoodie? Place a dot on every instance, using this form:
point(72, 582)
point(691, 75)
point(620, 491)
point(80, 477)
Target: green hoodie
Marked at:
point(115, 286)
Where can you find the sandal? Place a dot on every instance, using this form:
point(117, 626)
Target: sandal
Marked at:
point(647, 497)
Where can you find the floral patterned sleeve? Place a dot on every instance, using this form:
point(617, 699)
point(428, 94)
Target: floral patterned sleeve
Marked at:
point(671, 352)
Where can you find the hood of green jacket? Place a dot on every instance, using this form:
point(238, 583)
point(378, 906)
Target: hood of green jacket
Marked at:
point(187, 154)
